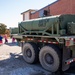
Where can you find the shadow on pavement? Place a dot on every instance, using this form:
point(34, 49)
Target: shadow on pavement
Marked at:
point(16, 65)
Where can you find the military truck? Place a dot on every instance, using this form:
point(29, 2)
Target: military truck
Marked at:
point(50, 40)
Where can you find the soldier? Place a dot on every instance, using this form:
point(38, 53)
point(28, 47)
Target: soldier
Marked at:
point(6, 41)
point(1, 40)
point(13, 40)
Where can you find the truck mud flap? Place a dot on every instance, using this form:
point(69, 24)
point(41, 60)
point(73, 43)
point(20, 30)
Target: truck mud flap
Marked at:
point(65, 56)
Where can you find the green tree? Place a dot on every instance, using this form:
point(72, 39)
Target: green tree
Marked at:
point(2, 28)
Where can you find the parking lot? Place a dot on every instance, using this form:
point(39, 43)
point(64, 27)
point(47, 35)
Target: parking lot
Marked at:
point(12, 62)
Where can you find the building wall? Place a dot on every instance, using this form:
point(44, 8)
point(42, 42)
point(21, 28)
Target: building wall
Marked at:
point(35, 15)
point(73, 6)
point(58, 7)
point(27, 16)
point(23, 16)
point(63, 7)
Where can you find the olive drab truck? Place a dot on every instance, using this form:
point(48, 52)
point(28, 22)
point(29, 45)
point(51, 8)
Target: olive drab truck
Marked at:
point(50, 40)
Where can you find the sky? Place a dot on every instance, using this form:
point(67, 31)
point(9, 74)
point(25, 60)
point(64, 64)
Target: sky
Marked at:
point(10, 10)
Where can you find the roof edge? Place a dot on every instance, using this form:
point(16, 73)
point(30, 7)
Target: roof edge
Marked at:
point(28, 10)
point(46, 6)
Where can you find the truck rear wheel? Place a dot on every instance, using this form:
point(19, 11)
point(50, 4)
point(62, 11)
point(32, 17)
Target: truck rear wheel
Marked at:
point(49, 58)
point(30, 52)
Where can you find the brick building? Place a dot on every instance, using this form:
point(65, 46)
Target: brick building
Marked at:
point(27, 14)
point(56, 8)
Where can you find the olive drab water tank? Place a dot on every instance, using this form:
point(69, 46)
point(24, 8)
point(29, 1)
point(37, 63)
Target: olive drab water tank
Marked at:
point(46, 23)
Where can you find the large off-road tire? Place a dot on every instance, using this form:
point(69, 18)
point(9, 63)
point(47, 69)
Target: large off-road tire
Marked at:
point(49, 57)
point(30, 53)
